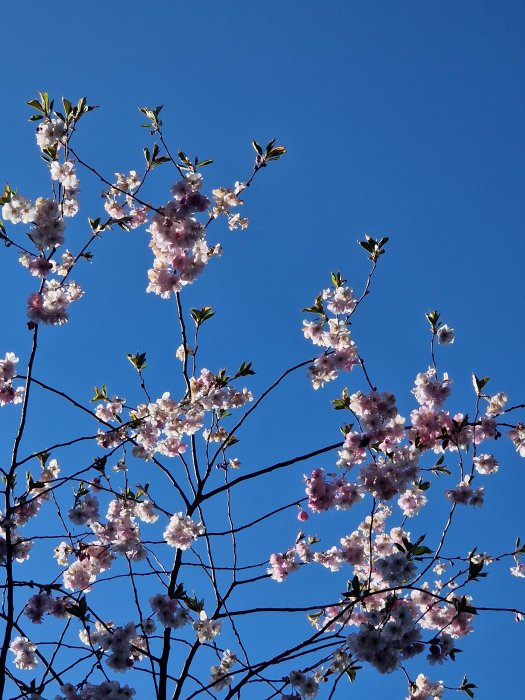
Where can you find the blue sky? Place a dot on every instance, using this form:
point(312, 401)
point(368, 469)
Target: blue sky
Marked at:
point(402, 119)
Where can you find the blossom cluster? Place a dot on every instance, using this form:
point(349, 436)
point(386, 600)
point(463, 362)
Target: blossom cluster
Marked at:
point(46, 220)
point(306, 685)
point(108, 690)
point(226, 199)
point(220, 674)
point(122, 645)
point(206, 628)
point(24, 651)
point(335, 492)
point(20, 546)
point(333, 334)
point(160, 426)
point(50, 305)
point(423, 689)
point(38, 605)
point(8, 394)
point(182, 531)
point(120, 203)
point(120, 534)
point(340, 354)
point(169, 612)
point(178, 239)
point(386, 640)
point(164, 423)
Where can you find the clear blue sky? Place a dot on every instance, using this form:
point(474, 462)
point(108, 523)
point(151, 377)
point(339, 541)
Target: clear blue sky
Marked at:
point(403, 119)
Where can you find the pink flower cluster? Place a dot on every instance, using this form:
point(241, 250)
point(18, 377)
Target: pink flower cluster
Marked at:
point(441, 616)
point(20, 546)
point(119, 535)
point(86, 510)
point(386, 639)
point(41, 266)
point(120, 203)
point(48, 224)
point(169, 612)
point(18, 209)
point(464, 494)
point(178, 240)
point(206, 629)
point(163, 424)
point(517, 435)
point(108, 690)
point(220, 674)
point(379, 419)
point(8, 394)
point(24, 651)
point(50, 132)
point(386, 477)
point(38, 605)
point(340, 354)
point(326, 491)
point(50, 306)
point(182, 531)
point(306, 686)
point(423, 689)
point(281, 565)
point(332, 334)
point(65, 174)
point(225, 200)
point(122, 645)
point(121, 532)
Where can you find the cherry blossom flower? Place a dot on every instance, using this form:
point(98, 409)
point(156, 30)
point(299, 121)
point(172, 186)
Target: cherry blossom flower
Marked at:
point(182, 531)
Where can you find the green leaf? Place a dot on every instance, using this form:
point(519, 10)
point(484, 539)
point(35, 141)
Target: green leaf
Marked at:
point(467, 687)
point(138, 360)
point(36, 105)
point(478, 383)
point(160, 160)
point(352, 672)
point(433, 318)
point(244, 370)
point(337, 279)
point(474, 571)
point(100, 394)
point(44, 100)
point(184, 158)
point(276, 153)
point(100, 463)
point(78, 609)
point(462, 605)
point(230, 442)
point(202, 315)
point(313, 617)
point(194, 604)
point(318, 307)
point(366, 245)
point(343, 402)
point(179, 592)
point(67, 106)
point(419, 551)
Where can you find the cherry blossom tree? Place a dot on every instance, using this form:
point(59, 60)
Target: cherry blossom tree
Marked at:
point(204, 592)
